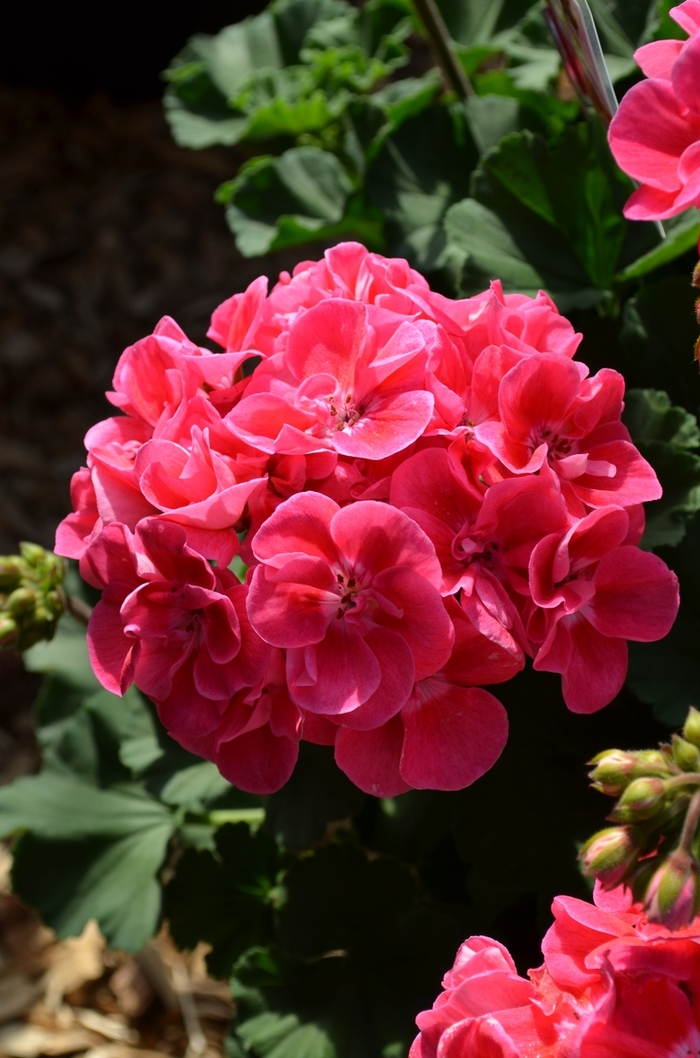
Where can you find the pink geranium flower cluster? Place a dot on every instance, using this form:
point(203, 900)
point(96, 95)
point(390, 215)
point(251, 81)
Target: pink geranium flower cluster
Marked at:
point(612, 985)
point(425, 491)
point(655, 135)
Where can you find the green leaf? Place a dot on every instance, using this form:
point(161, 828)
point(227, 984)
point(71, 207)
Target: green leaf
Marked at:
point(299, 197)
point(657, 340)
point(317, 794)
point(224, 898)
point(666, 674)
point(664, 434)
point(65, 655)
point(114, 882)
point(650, 416)
point(681, 235)
point(569, 189)
point(421, 170)
point(59, 806)
point(357, 954)
point(519, 249)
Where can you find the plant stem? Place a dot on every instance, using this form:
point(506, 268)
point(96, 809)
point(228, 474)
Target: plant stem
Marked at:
point(441, 47)
point(686, 779)
point(690, 823)
point(77, 608)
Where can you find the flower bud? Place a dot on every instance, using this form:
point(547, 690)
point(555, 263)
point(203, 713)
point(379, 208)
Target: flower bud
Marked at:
point(614, 770)
point(20, 601)
point(609, 854)
point(673, 894)
point(8, 630)
point(685, 754)
point(695, 281)
point(641, 800)
point(691, 728)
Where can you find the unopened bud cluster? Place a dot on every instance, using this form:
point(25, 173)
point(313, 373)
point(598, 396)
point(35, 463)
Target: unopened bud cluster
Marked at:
point(653, 848)
point(31, 596)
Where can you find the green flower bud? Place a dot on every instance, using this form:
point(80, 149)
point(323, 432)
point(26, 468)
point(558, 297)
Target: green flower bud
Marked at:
point(613, 771)
point(695, 281)
point(21, 601)
point(673, 895)
point(685, 754)
point(641, 800)
point(691, 728)
point(609, 855)
point(8, 630)
point(32, 554)
point(615, 768)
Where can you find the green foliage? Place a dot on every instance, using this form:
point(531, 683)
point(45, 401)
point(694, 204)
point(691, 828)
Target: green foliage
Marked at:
point(666, 436)
point(225, 896)
point(113, 795)
point(356, 954)
point(279, 202)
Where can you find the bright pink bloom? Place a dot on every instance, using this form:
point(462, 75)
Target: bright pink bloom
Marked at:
point(449, 732)
point(549, 411)
point(593, 592)
point(172, 624)
point(612, 986)
point(352, 388)
point(351, 593)
point(256, 743)
point(663, 153)
point(483, 543)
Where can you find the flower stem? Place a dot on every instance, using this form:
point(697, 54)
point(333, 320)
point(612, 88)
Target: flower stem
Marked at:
point(441, 47)
point(690, 824)
point(77, 608)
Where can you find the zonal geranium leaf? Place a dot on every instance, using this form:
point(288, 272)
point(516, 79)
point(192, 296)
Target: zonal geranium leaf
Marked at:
point(224, 897)
point(114, 882)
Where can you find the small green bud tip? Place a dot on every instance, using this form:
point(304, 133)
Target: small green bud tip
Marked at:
point(8, 630)
point(22, 601)
point(673, 894)
point(685, 754)
point(609, 855)
point(696, 275)
point(613, 771)
point(691, 728)
point(641, 800)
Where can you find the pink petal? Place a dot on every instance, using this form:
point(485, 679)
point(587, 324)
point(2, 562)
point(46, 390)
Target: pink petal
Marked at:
point(657, 58)
point(649, 151)
point(593, 666)
point(388, 425)
point(334, 676)
point(300, 525)
point(328, 339)
point(293, 606)
point(397, 668)
point(636, 596)
point(374, 537)
point(453, 735)
point(370, 759)
point(686, 77)
point(109, 648)
point(257, 761)
point(424, 622)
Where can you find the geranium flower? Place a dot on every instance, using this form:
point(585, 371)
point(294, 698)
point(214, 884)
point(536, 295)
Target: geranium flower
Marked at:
point(655, 134)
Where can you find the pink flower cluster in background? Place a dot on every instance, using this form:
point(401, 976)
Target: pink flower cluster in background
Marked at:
point(655, 135)
point(612, 986)
point(424, 490)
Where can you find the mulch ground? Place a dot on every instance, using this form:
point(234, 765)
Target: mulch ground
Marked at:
point(105, 226)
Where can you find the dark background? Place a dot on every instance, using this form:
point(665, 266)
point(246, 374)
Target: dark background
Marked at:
point(105, 226)
point(119, 48)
